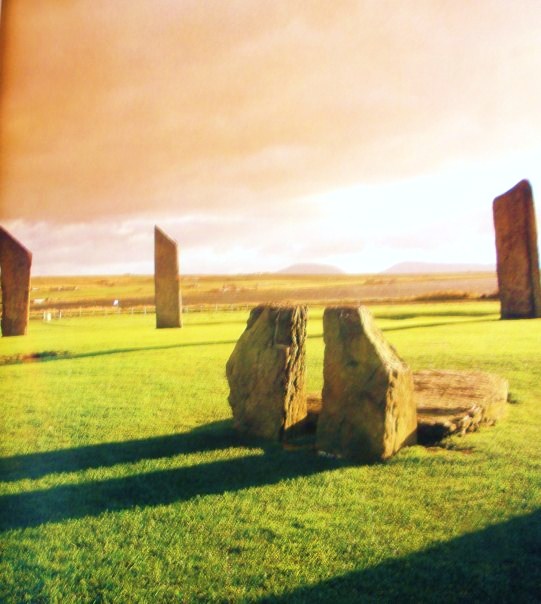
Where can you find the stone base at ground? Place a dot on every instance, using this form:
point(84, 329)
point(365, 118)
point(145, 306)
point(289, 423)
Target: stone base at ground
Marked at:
point(266, 372)
point(368, 411)
point(451, 402)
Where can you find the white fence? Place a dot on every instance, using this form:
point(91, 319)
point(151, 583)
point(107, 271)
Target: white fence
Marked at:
point(55, 314)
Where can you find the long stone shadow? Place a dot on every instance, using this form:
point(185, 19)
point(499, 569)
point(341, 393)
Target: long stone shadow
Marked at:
point(420, 326)
point(439, 324)
point(398, 316)
point(210, 437)
point(501, 563)
point(31, 509)
point(112, 351)
point(242, 321)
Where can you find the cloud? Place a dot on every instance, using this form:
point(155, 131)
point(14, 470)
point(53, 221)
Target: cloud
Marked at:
point(127, 108)
point(444, 217)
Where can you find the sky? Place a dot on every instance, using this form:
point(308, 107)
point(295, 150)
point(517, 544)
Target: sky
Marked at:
point(264, 133)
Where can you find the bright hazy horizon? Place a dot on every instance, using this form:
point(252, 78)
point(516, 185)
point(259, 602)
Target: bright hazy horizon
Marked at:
point(261, 134)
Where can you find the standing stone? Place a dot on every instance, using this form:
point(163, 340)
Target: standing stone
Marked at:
point(15, 263)
point(166, 281)
point(516, 250)
point(266, 372)
point(368, 409)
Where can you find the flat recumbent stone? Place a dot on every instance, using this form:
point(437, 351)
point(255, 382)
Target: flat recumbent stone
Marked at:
point(450, 401)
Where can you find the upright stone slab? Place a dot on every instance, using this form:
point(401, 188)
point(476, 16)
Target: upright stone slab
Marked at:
point(166, 281)
point(266, 372)
point(516, 249)
point(15, 263)
point(368, 409)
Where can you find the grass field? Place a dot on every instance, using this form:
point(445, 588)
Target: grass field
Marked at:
point(123, 481)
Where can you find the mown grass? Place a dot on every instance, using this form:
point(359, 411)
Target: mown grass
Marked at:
point(123, 481)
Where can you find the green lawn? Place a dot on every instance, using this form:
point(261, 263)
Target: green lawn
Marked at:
point(123, 481)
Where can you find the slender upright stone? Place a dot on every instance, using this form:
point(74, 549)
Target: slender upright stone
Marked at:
point(266, 372)
point(166, 281)
point(368, 409)
point(15, 263)
point(516, 250)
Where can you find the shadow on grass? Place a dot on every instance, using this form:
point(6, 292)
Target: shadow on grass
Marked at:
point(422, 325)
point(111, 351)
point(501, 563)
point(162, 487)
point(224, 321)
point(66, 355)
point(210, 437)
point(399, 316)
point(439, 324)
point(315, 336)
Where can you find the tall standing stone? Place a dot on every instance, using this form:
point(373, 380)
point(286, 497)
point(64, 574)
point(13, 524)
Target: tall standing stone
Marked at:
point(266, 372)
point(516, 250)
point(368, 409)
point(15, 263)
point(166, 281)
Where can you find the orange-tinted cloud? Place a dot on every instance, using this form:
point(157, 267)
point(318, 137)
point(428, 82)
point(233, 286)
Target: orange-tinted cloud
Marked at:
point(129, 106)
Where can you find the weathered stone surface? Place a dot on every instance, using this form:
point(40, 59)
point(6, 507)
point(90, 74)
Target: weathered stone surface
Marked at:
point(15, 264)
point(516, 249)
point(166, 281)
point(266, 372)
point(457, 402)
point(368, 410)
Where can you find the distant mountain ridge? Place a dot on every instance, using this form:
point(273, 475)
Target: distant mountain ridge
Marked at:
point(436, 267)
point(310, 269)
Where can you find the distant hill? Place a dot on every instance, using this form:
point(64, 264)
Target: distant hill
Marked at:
point(434, 267)
point(310, 269)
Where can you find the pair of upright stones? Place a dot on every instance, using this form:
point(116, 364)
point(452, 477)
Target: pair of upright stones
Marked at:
point(368, 408)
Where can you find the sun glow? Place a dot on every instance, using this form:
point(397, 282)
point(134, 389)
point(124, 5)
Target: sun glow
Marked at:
point(444, 216)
